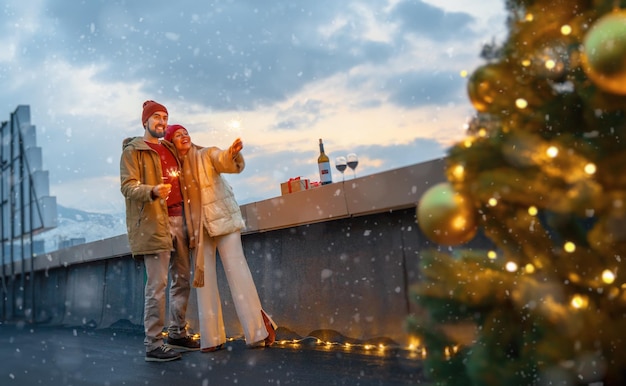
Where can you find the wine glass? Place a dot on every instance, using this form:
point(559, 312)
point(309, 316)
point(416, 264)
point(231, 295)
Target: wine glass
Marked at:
point(353, 161)
point(340, 164)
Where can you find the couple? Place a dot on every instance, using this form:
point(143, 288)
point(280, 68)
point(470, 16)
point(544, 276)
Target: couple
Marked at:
point(177, 201)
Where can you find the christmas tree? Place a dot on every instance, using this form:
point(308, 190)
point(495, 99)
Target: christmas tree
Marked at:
point(539, 174)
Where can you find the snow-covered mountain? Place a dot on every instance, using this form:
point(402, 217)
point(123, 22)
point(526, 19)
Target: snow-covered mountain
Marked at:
point(76, 227)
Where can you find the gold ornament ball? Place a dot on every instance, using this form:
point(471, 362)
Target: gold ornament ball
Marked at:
point(604, 52)
point(487, 86)
point(445, 216)
point(494, 87)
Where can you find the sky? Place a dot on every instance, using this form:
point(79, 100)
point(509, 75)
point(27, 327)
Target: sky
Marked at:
point(379, 78)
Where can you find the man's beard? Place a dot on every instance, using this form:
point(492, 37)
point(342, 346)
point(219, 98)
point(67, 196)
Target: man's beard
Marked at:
point(156, 134)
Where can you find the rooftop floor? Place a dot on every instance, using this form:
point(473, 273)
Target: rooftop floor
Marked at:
point(53, 355)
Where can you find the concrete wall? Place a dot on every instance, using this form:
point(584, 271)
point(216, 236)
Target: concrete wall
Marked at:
point(339, 257)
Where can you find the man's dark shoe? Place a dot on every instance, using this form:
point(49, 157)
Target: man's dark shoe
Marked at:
point(186, 343)
point(162, 354)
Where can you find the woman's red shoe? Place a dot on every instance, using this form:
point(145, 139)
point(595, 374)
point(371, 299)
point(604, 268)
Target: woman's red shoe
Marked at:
point(271, 331)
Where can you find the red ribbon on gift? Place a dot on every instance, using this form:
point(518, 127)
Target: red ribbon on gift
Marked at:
point(289, 183)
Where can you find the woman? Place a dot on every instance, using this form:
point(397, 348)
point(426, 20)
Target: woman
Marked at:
point(217, 224)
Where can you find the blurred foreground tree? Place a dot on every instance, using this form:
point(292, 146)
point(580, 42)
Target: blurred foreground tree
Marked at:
point(540, 174)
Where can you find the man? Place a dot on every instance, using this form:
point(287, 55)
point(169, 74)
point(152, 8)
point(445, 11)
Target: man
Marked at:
point(156, 227)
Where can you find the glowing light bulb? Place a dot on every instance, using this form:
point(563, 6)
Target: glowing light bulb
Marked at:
point(566, 29)
point(521, 103)
point(590, 168)
point(511, 266)
point(492, 201)
point(550, 64)
point(529, 268)
point(492, 255)
point(569, 247)
point(532, 210)
point(458, 172)
point(608, 276)
point(579, 301)
point(552, 151)
point(464, 73)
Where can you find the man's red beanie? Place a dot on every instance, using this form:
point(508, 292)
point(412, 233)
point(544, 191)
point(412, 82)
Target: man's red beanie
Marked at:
point(149, 108)
point(171, 129)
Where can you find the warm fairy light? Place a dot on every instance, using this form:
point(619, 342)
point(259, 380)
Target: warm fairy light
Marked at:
point(458, 172)
point(482, 132)
point(414, 348)
point(569, 247)
point(521, 103)
point(579, 301)
point(590, 168)
point(467, 143)
point(414, 343)
point(566, 30)
point(511, 266)
point(552, 151)
point(529, 268)
point(526, 62)
point(464, 73)
point(550, 64)
point(492, 201)
point(529, 17)
point(608, 277)
point(492, 255)
point(532, 210)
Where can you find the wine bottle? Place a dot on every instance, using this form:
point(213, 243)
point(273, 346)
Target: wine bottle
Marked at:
point(324, 165)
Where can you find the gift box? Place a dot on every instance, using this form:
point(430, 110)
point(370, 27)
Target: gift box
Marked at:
point(294, 185)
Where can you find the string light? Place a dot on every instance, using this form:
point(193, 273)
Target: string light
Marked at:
point(492, 202)
point(521, 103)
point(579, 302)
point(532, 210)
point(492, 255)
point(511, 266)
point(608, 277)
point(552, 151)
point(458, 172)
point(590, 168)
point(569, 247)
point(529, 268)
point(566, 30)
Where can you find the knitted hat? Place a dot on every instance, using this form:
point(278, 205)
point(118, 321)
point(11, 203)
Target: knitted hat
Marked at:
point(171, 130)
point(149, 108)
